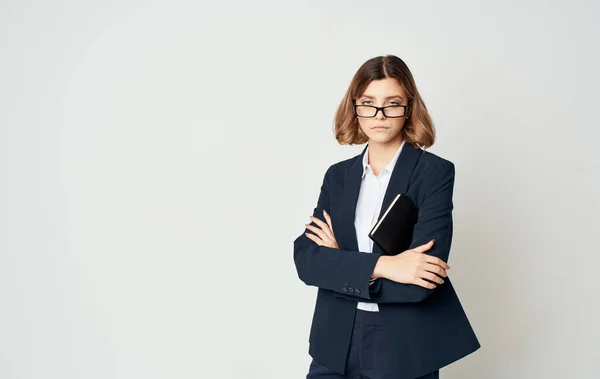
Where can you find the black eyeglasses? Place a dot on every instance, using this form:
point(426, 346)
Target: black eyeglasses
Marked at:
point(390, 111)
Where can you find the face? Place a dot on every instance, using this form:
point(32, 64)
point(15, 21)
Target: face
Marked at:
point(381, 129)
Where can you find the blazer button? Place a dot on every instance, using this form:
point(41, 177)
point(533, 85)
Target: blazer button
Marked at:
point(357, 290)
point(344, 289)
point(350, 289)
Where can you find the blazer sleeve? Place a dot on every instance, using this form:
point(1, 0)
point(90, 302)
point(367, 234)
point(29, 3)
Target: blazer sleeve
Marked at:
point(434, 222)
point(341, 271)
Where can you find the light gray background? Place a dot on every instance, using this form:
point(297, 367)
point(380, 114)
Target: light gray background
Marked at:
point(158, 159)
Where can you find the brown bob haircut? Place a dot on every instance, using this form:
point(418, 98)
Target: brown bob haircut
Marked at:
point(418, 128)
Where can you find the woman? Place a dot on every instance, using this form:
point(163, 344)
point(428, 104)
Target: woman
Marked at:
point(383, 316)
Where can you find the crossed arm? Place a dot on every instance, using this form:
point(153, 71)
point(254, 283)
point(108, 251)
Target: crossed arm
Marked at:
point(348, 273)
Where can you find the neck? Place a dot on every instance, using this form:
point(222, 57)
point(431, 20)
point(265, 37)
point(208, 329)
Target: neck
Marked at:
point(381, 154)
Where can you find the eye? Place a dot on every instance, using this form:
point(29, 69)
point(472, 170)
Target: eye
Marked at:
point(365, 101)
point(395, 103)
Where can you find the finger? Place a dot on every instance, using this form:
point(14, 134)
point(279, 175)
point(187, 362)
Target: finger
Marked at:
point(316, 239)
point(326, 239)
point(424, 283)
point(436, 269)
point(322, 235)
point(330, 223)
point(328, 219)
point(320, 223)
point(323, 225)
point(436, 261)
point(430, 276)
point(423, 248)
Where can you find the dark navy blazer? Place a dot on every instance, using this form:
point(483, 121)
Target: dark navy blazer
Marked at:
point(424, 329)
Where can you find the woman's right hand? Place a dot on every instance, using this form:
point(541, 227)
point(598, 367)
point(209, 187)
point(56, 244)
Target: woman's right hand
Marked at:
point(412, 267)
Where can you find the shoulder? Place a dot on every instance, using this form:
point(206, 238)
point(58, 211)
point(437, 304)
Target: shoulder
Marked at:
point(337, 171)
point(429, 166)
point(432, 174)
point(434, 165)
point(427, 161)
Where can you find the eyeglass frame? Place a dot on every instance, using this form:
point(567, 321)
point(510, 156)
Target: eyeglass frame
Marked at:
point(382, 109)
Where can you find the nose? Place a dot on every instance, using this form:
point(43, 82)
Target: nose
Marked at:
point(377, 114)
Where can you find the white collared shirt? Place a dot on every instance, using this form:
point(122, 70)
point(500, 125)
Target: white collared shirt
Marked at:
point(370, 199)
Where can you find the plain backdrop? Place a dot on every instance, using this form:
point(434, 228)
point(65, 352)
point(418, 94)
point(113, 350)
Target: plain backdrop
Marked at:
point(159, 158)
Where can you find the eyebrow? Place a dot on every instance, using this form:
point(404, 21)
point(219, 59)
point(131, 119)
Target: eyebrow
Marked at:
point(387, 97)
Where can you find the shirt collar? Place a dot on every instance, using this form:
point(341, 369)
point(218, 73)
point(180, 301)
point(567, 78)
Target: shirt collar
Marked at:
point(389, 167)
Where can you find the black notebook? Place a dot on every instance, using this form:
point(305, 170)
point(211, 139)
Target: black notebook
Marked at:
point(394, 231)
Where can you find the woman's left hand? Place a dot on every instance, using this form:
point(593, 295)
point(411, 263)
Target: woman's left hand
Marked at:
point(324, 236)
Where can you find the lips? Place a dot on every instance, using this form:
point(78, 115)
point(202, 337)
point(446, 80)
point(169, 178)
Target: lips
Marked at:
point(379, 127)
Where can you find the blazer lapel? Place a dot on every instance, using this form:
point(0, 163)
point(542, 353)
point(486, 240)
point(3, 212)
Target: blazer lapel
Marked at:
point(398, 184)
point(348, 202)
